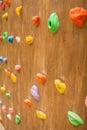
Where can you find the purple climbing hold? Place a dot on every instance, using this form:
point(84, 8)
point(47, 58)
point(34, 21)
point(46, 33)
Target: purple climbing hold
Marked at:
point(35, 92)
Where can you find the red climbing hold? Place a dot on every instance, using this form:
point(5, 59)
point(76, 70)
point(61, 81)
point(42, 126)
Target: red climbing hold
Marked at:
point(41, 78)
point(36, 20)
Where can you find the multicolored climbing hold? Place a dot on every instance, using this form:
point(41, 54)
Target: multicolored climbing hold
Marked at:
point(41, 78)
point(17, 119)
point(11, 111)
point(29, 39)
point(19, 10)
point(41, 115)
point(27, 102)
point(5, 36)
point(18, 39)
point(78, 15)
point(35, 92)
point(8, 74)
point(13, 77)
point(5, 16)
point(9, 116)
point(36, 20)
point(53, 23)
point(3, 89)
point(11, 39)
point(18, 68)
point(75, 119)
point(4, 109)
point(8, 95)
point(61, 87)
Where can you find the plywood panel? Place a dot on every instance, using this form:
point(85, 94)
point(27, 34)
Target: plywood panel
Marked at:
point(61, 56)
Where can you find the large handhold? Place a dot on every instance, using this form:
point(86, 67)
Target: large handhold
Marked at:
point(35, 92)
point(41, 115)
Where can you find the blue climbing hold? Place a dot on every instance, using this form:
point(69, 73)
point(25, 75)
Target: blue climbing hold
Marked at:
point(11, 39)
point(1, 59)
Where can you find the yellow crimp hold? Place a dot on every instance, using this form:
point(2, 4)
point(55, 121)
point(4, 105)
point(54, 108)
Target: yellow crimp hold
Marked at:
point(61, 87)
point(13, 77)
point(3, 89)
point(29, 39)
point(18, 10)
point(5, 16)
point(41, 115)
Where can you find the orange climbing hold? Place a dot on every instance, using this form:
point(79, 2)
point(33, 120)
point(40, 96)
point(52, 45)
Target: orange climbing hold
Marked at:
point(8, 2)
point(8, 74)
point(36, 20)
point(0, 120)
point(41, 78)
point(78, 15)
point(27, 102)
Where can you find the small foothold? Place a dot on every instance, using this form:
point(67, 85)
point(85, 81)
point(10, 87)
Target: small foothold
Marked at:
point(27, 102)
point(13, 77)
point(5, 60)
point(35, 92)
point(41, 115)
point(1, 38)
point(11, 111)
point(78, 15)
point(8, 74)
point(36, 20)
point(8, 2)
point(17, 119)
point(18, 68)
point(0, 102)
point(19, 10)
point(86, 101)
point(0, 119)
point(9, 116)
point(3, 89)
point(5, 16)
point(4, 108)
point(75, 119)
point(61, 87)
point(5, 36)
point(53, 22)
point(2, 5)
point(8, 95)
point(1, 59)
point(18, 39)
point(29, 39)
point(11, 39)
point(41, 78)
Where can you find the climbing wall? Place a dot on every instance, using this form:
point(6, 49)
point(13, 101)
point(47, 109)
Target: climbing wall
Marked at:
point(61, 55)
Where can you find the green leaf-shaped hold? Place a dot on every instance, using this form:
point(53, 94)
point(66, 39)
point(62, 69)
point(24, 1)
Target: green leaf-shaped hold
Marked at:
point(75, 119)
point(17, 119)
point(5, 36)
point(53, 22)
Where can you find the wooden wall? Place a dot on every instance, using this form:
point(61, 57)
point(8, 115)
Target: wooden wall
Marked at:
point(61, 56)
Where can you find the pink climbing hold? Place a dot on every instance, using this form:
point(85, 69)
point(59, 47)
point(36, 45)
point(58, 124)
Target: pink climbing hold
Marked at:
point(18, 68)
point(86, 101)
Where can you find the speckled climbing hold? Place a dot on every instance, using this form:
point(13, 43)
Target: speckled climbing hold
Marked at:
point(11, 39)
point(78, 15)
point(41, 115)
point(2, 5)
point(11, 111)
point(19, 10)
point(5, 60)
point(35, 92)
point(53, 23)
point(18, 39)
point(61, 87)
point(5, 16)
point(9, 116)
point(41, 78)
point(18, 68)
point(8, 74)
point(5, 36)
point(1, 58)
point(0, 119)
point(29, 39)
point(75, 119)
point(4, 109)
point(17, 119)
point(8, 2)
point(8, 95)
point(1, 38)
point(36, 20)
point(3, 89)
point(27, 102)
point(0, 102)
point(13, 77)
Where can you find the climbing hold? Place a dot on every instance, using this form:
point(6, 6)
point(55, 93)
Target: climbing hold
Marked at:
point(19, 10)
point(78, 15)
point(41, 115)
point(41, 78)
point(11, 39)
point(27, 102)
point(17, 119)
point(3, 89)
point(11, 111)
point(5, 16)
point(8, 74)
point(35, 92)
point(1, 38)
point(2, 5)
point(8, 2)
point(53, 23)
point(13, 77)
point(29, 39)
point(36, 20)
point(86, 101)
point(1, 59)
point(0, 102)
point(18, 68)
point(61, 87)
point(4, 108)
point(75, 119)
point(0, 119)
point(8, 95)
point(18, 39)
point(5, 60)
point(5, 36)
point(9, 116)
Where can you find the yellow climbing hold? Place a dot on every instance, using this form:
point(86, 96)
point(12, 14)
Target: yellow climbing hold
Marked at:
point(61, 87)
point(3, 89)
point(5, 15)
point(18, 10)
point(13, 77)
point(41, 115)
point(29, 39)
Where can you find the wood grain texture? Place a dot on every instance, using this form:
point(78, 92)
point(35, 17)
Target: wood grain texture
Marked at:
point(61, 56)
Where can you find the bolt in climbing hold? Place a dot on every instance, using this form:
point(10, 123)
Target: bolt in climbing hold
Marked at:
point(3, 89)
point(35, 92)
point(13, 77)
point(11, 39)
point(5, 16)
point(19, 10)
point(8, 95)
point(41, 78)
point(29, 39)
point(17, 119)
point(18, 68)
point(41, 115)
point(36, 20)
point(27, 102)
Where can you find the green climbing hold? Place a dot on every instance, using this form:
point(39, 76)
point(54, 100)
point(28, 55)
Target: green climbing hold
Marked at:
point(5, 36)
point(53, 23)
point(75, 119)
point(17, 119)
point(8, 95)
